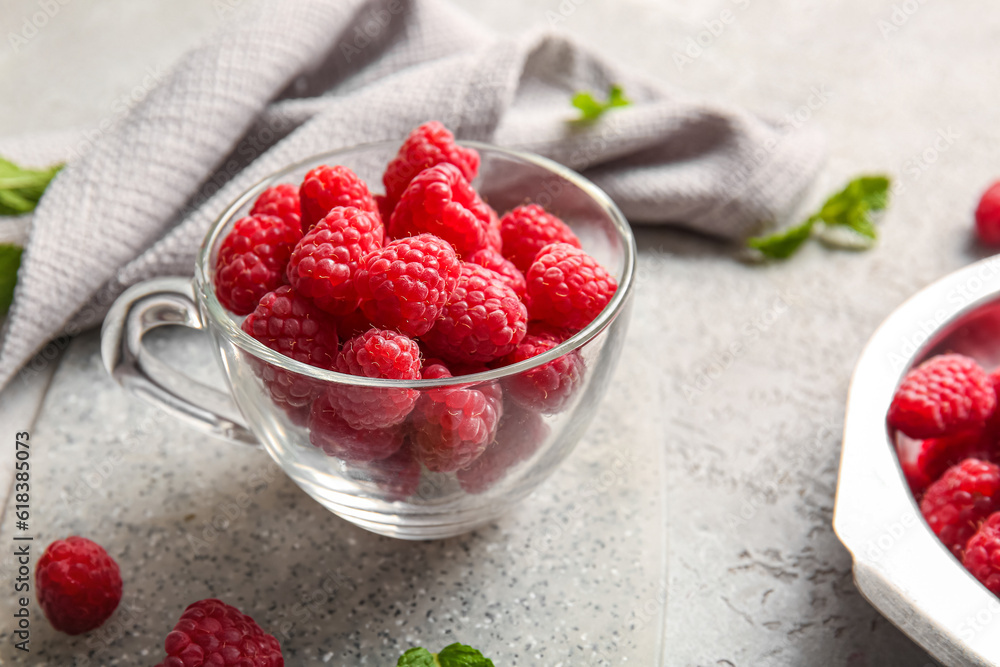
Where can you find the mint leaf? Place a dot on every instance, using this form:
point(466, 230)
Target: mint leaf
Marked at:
point(460, 655)
point(20, 189)
point(417, 657)
point(783, 244)
point(850, 209)
point(10, 260)
point(591, 109)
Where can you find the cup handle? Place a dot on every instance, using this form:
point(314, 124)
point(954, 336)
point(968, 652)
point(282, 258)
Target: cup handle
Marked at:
point(146, 306)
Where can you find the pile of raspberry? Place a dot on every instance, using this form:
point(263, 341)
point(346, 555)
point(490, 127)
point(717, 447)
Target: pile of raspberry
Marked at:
point(947, 422)
point(423, 281)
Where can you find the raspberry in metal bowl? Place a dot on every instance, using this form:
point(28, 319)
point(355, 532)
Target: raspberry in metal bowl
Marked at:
point(919, 487)
point(402, 370)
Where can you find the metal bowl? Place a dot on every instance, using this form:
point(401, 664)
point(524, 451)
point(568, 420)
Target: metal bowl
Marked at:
point(899, 565)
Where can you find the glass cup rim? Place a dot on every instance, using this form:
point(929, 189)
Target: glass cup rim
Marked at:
point(223, 322)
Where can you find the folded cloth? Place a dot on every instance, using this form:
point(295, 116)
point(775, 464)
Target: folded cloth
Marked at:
point(285, 80)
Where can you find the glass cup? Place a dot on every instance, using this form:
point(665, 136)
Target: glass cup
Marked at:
point(373, 478)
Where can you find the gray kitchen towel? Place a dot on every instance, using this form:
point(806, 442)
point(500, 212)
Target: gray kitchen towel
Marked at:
point(281, 81)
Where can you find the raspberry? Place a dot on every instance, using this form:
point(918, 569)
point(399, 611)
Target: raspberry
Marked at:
point(79, 585)
point(567, 287)
point(944, 395)
point(325, 188)
point(547, 388)
point(924, 461)
point(398, 476)
point(493, 260)
point(211, 633)
point(988, 216)
point(520, 434)
point(956, 504)
point(287, 322)
point(323, 264)
point(329, 432)
point(454, 424)
point(993, 421)
point(377, 353)
point(252, 260)
point(353, 324)
point(384, 209)
point(494, 236)
point(427, 146)
point(982, 554)
point(441, 202)
point(529, 228)
point(280, 200)
point(482, 321)
point(405, 285)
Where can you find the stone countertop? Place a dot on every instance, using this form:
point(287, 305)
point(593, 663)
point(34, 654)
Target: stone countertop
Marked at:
point(713, 545)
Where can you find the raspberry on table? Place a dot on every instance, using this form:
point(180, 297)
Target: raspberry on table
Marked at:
point(252, 260)
point(982, 554)
point(398, 476)
point(453, 425)
point(550, 387)
point(330, 432)
point(527, 229)
point(377, 353)
point(924, 461)
point(282, 201)
point(494, 261)
point(78, 585)
point(404, 285)
point(323, 264)
point(956, 504)
point(566, 287)
point(988, 216)
point(440, 201)
point(520, 434)
point(211, 633)
point(325, 188)
point(482, 321)
point(944, 395)
point(426, 146)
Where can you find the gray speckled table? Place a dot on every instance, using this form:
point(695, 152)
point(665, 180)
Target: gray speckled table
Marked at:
point(712, 545)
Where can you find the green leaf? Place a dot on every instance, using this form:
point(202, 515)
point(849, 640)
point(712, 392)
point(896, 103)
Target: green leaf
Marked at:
point(783, 244)
point(21, 189)
point(417, 657)
point(460, 655)
point(591, 109)
point(10, 260)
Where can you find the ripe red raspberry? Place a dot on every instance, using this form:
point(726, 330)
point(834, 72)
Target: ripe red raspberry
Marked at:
point(330, 432)
point(550, 387)
point(353, 324)
point(529, 228)
point(482, 321)
point(982, 554)
point(493, 260)
point(280, 200)
point(397, 476)
point(453, 425)
point(993, 421)
point(79, 585)
point(325, 188)
point(956, 504)
point(944, 395)
point(323, 264)
point(988, 216)
point(210, 633)
point(567, 287)
point(924, 461)
point(405, 285)
point(384, 209)
point(520, 434)
point(426, 146)
point(252, 260)
point(494, 236)
point(377, 353)
point(440, 201)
